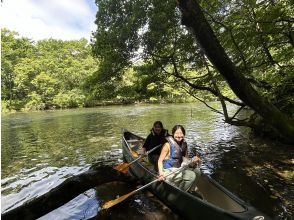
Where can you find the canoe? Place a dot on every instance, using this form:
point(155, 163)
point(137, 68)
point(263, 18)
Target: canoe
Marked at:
point(212, 201)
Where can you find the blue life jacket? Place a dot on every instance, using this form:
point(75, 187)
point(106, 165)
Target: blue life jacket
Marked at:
point(176, 155)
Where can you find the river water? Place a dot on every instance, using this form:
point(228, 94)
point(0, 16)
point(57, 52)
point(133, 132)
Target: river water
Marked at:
point(41, 149)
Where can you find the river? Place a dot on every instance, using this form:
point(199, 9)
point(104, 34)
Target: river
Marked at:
point(42, 149)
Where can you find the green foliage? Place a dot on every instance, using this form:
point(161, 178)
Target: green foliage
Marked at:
point(13, 50)
point(45, 87)
point(145, 54)
point(46, 74)
point(257, 35)
point(4, 107)
point(156, 31)
point(35, 102)
point(71, 99)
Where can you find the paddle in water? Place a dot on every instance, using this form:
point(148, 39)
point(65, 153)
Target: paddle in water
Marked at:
point(124, 166)
point(113, 202)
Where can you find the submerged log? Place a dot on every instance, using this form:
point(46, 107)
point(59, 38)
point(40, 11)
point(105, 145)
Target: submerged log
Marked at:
point(66, 191)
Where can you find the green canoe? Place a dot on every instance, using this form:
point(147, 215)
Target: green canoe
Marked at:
point(212, 202)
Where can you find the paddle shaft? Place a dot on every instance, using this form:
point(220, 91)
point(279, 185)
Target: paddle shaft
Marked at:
point(122, 198)
point(145, 154)
point(148, 184)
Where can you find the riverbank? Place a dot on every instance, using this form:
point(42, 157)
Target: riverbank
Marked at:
point(121, 102)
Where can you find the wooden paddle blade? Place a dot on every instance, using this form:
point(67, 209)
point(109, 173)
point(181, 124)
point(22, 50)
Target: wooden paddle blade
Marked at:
point(111, 203)
point(122, 167)
point(134, 153)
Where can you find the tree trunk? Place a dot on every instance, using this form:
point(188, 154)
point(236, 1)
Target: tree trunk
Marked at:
point(194, 19)
point(63, 193)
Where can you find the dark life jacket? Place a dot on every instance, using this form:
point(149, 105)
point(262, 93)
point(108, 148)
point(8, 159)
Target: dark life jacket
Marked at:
point(177, 152)
point(154, 140)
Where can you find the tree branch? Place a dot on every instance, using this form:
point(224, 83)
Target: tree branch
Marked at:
point(194, 19)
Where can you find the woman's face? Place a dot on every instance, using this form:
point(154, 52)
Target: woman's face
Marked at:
point(157, 129)
point(178, 135)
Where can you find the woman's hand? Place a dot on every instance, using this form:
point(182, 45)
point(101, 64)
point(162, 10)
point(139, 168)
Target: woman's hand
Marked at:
point(142, 151)
point(195, 161)
point(161, 177)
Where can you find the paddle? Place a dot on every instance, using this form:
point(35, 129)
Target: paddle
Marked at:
point(123, 167)
point(113, 202)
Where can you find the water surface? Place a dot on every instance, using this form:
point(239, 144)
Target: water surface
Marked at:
point(42, 149)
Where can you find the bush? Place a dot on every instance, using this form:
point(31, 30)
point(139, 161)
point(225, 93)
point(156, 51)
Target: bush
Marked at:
point(35, 102)
point(71, 99)
point(4, 106)
point(61, 100)
point(14, 105)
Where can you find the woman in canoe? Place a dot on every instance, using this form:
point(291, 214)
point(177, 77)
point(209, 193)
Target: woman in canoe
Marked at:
point(156, 138)
point(172, 157)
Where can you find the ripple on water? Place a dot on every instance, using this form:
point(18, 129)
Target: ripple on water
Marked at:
point(23, 187)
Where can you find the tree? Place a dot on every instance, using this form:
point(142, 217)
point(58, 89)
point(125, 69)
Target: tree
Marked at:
point(151, 31)
point(44, 74)
point(193, 18)
point(14, 50)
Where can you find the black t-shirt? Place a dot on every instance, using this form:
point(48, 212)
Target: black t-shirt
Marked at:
point(154, 140)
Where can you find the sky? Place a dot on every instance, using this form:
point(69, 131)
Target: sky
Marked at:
point(44, 19)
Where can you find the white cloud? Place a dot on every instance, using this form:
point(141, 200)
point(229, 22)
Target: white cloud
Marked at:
point(43, 19)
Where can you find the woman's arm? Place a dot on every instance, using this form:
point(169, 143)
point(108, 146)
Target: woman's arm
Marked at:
point(164, 153)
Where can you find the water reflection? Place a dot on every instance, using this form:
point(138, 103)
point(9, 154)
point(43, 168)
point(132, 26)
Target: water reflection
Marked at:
point(27, 185)
point(84, 206)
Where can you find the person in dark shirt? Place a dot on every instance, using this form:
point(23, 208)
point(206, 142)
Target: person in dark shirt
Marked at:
point(154, 139)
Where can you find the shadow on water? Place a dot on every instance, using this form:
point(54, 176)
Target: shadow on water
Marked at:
point(143, 205)
point(254, 171)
